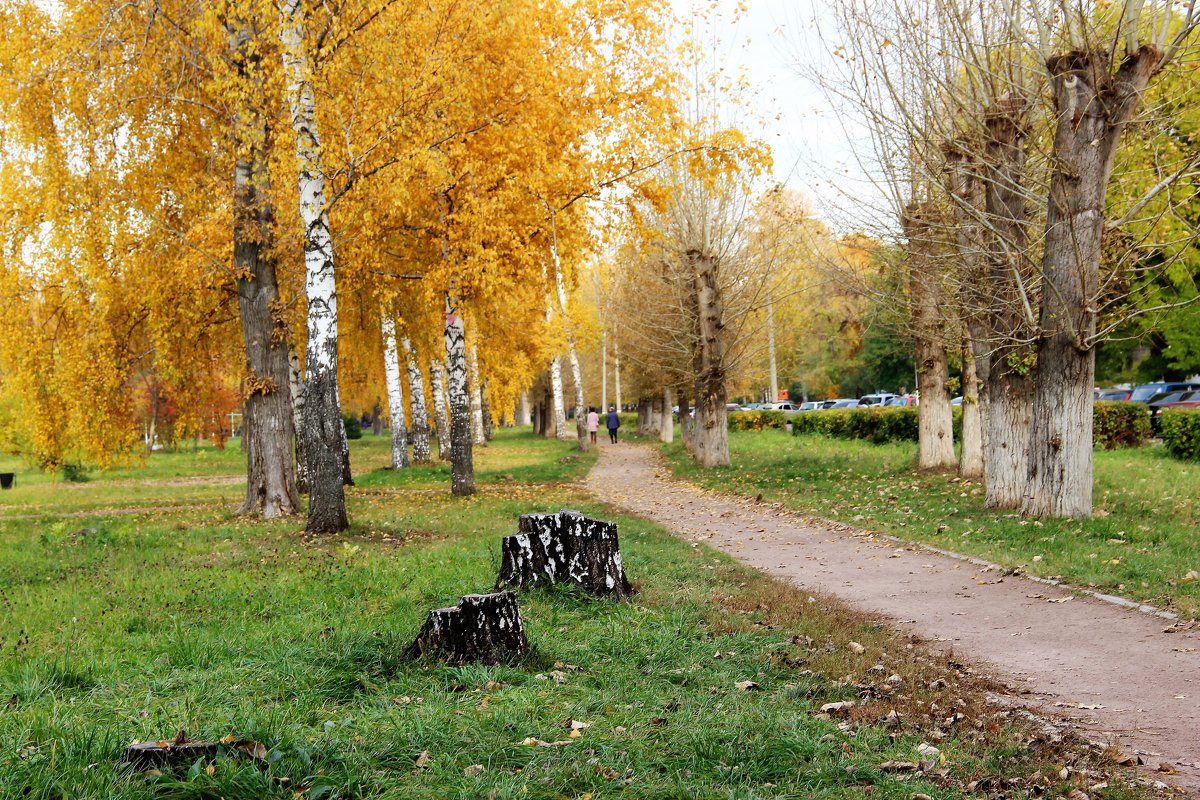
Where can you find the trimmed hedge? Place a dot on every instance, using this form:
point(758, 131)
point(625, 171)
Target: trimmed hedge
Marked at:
point(1119, 424)
point(1180, 429)
point(757, 420)
point(1115, 424)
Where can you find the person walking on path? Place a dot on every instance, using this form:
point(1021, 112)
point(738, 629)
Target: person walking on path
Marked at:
point(613, 422)
point(593, 423)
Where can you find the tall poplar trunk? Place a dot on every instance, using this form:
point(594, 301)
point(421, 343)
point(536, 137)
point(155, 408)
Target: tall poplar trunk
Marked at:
point(603, 371)
point(617, 373)
point(416, 402)
point(441, 415)
point(666, 426)
point(322, 412)
point(522, 415)
point(462, 467)
point(395, 393)
point(267, 424)
point(1093, 107)
point(966, 209)
point(771, 349)
point(1009, 382)
point(970, 462)
point(935, 421)
point(711, 433)
point(296, 382)
point(477, 433)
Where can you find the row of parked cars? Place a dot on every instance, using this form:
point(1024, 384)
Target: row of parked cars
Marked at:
point(884, 399)
point(1158, 396)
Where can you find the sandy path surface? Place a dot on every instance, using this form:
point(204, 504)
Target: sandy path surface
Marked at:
point(1112, 669)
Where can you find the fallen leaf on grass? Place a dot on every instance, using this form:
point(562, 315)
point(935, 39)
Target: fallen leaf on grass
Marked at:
point(473, 770)
point(423, 760)
point(837, 708)
point(898, 766)
point(857, 648)
point(578, 725)
point(533, 741)
point(746, 686)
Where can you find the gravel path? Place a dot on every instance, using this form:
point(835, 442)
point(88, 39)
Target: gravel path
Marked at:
point(1113, 670)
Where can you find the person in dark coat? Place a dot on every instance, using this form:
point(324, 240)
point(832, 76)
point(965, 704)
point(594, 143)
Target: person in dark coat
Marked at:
point(613, 422)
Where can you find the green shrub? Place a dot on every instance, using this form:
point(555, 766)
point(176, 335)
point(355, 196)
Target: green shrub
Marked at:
point(1118, 424)
point(1180, 429)
point(353, 428)
point(757, 420)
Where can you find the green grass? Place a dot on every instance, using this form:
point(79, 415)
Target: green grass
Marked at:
point(121, 627)
point(1141, 543)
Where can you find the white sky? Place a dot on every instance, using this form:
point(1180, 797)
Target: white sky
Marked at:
point(778, 46)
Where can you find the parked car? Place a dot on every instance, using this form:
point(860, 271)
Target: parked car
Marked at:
point(1118, 395)
point(1145, 391)
point(875, 399)
point(810, 405)
point(845, 402)
point(784, 406)
point(902, 400)
point(957, 401)
point(1169, 400)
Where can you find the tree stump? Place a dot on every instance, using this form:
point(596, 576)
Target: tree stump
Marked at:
point(481, 629)
point(566, 547)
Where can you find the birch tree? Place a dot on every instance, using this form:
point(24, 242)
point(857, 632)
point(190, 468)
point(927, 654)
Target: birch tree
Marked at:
point(322, 408)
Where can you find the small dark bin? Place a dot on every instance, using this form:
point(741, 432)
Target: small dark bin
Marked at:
point(6, 479)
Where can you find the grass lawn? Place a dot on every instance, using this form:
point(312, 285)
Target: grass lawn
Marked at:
point(1141, 543)
point(132, 626)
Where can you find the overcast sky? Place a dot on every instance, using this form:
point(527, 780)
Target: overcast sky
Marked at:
point(778, 44)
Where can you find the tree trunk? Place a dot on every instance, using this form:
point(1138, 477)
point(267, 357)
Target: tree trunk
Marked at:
point(966, 209)
point(441, 416)
point(934, 415)
point(536, 419)
point(771, 349)
point(522, 415)
point(564, 548)
point(376, 419)
point(572, 354)
point(685, 422)
point(970, 464)
point(477, 434)
point(603, 371)
point(1008, 385)
point(267, 423)
point(296, 382)
point(416, 398)
point(711, 433)
point(643, 416)
point(617, 373)
point(481, 629)
point(462, 467)
point(666, 430)
point(1093, 108)
point(322, 413)
point(347, 475)
point(395, 394)
point(485, 409)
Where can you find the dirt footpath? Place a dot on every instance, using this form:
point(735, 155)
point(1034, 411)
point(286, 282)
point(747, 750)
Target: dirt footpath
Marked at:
point(1113, 670)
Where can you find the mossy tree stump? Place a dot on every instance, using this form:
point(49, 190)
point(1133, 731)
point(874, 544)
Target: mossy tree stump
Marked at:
point(566, 547)
point(481, 629)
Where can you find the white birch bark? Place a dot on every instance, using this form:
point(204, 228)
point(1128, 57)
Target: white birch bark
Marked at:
point(478, 435)
point(416, 398)
point(441, 416)
point(323, 423)
point(572, 353)
point(462, 468)
point(395, 394)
